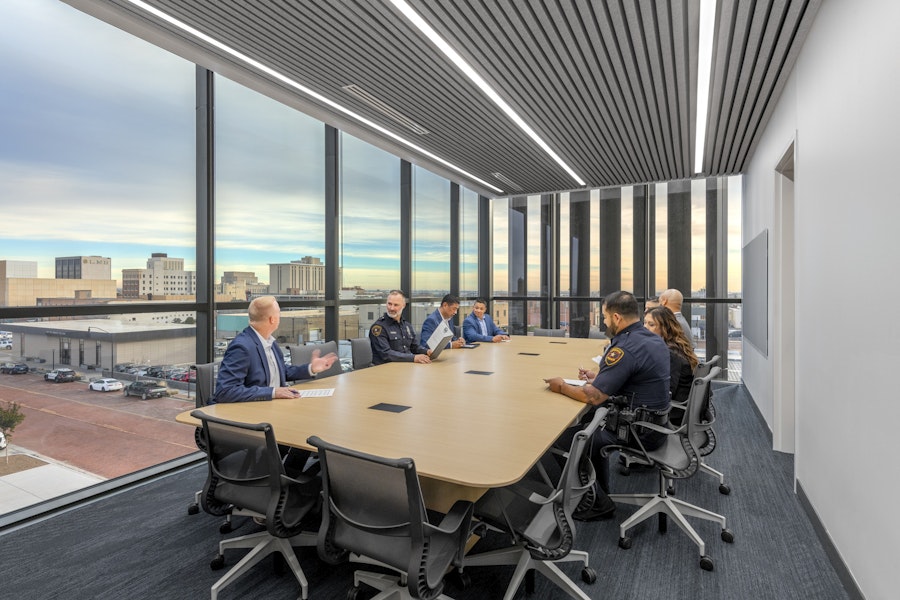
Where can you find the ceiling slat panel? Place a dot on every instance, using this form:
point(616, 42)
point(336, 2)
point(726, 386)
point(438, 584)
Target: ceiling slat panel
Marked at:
point(610, 85)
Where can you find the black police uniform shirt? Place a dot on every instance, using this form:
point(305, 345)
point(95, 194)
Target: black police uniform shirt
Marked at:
point(393, 341)
point(636, 362)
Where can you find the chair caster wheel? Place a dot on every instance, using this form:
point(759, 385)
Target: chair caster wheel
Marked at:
point(217, 563)
point(670, 490)
point(193, 509)
point(588, 575)
point(624, 471)
point(353, 593)
point(624, 543)
point(225, 528)
point(724, 489)
point(727, 536)
point(461, 579)
point(706, 563)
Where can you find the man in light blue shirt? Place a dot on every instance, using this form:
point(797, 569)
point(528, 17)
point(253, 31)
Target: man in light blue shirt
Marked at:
point(480, 327)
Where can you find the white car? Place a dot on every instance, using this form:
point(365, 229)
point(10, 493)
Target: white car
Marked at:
point(2, 441)
point(106, 385)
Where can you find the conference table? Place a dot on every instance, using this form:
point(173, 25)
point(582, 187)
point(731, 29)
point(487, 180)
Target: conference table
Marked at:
point(473, 419)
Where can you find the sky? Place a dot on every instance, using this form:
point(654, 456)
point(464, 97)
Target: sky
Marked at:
point(98, 127)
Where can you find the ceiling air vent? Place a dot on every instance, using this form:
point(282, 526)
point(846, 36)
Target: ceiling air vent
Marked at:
point(380, 106)
point(509, 182)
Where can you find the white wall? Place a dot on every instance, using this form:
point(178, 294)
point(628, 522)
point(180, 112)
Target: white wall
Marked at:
point(842, 106)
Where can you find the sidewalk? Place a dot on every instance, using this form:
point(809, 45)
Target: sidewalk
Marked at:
point(31, 486)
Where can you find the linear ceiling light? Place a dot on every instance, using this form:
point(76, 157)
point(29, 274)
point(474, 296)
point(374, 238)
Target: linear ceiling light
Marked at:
point(704, 68)
point(255, 64)
point(463, 66)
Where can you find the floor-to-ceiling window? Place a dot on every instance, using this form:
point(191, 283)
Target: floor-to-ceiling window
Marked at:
point(97, 189)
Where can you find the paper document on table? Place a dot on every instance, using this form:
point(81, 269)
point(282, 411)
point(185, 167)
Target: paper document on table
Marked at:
point(440, 332)
point(578, 382)
point(317, 393)
point(597, 359)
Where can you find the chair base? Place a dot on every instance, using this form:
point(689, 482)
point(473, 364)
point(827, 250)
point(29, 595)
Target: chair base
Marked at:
point(390, 587)
point(263, 544)
point(652, 504)
point(519, 556)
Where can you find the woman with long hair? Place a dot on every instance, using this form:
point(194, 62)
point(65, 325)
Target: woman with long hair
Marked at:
point(662, 322)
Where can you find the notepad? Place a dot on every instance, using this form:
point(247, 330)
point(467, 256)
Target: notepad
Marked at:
point(578, 382)
point(317, 393)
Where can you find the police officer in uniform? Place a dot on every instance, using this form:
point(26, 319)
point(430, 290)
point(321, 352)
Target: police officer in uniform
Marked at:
point(635, 365)
point(393, 338)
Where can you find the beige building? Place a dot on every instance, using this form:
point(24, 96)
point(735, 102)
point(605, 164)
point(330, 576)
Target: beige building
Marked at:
point(164, 276)
point(20, 286)
point(298, 277)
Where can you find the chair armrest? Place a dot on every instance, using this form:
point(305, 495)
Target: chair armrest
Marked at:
point(460, 514)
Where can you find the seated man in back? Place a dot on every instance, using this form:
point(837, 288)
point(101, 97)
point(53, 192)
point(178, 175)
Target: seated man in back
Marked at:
point(635, 365)
point(253, 367)
point(446, 311)
point(393, 338)
point(480, 327)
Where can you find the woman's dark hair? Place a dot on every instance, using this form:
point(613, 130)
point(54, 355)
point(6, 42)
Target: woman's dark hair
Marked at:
point(672, 333)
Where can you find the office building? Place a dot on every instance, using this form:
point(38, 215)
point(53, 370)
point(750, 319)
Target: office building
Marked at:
point(298, 277)
point(446, 191)
point(163, 277)
point(83, 267)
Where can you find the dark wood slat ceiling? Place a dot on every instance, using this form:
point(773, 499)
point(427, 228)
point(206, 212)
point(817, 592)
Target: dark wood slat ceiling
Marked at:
point(609, 85)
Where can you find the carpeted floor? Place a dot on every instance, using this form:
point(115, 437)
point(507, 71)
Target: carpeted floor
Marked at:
point(141, 543)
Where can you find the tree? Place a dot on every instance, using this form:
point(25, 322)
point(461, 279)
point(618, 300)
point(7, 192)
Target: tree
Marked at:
point(10, 417)
point(189, 321)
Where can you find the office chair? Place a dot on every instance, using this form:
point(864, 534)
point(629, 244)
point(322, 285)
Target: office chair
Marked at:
point(361, 351)
point(301, 355)
point(541, 332)
point(677, 458)
point(704, 435)
point(206, 385)
point(537, 513)
point(245, 471)
point(373, 507)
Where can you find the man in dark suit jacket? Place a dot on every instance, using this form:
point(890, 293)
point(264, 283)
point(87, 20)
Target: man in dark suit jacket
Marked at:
point(253, 367)
point(480, 327)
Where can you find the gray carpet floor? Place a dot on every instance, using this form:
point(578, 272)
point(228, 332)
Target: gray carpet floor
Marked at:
point(141, 543)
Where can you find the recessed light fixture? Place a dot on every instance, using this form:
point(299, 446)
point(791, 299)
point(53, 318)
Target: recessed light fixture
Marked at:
point(704, 68)
point(384, 108)
point(255, 64)
point(463, 66)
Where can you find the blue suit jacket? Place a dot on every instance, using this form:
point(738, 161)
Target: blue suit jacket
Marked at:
point(430, 324)
point(244, 371)
point(472, 329)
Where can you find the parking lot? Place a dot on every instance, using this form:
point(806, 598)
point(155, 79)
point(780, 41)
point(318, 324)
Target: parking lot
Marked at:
point(103, 433)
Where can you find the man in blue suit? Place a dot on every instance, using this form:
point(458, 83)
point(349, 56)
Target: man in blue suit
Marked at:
point(445, 312)
point(480, 327)
point(253, 367)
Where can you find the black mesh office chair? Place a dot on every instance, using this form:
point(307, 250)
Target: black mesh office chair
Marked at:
point(373, 507)
point(245, 471)
point(704, 436)
point(677, 458)
point(537, 513)
point(542, 332)
point(301, 355)
point(206, 385)
point(361, 351)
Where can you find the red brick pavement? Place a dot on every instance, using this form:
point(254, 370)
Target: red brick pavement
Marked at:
point(103, 433)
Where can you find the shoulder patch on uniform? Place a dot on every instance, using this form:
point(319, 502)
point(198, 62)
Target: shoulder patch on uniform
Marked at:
point(614, 356)
point(376, 330)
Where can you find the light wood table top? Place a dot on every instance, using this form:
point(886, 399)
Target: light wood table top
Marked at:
point(462, 429)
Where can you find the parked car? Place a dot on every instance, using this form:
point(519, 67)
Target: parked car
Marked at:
point(146, 389)
point(2, 441)
point(62, 375)
point(13, 368)
point(106, 385)
point(6, 345)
